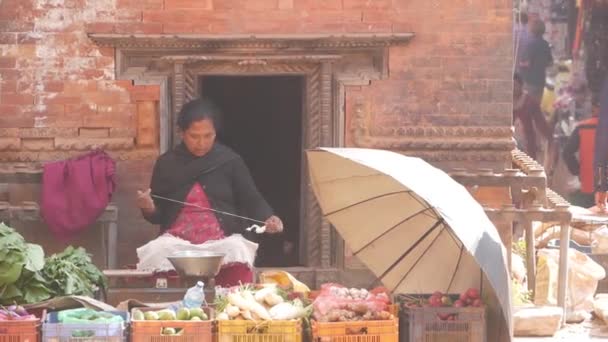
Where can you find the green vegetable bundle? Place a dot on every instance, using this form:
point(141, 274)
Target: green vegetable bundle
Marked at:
point(72, 272)
point(20, 266)
point(25, 276)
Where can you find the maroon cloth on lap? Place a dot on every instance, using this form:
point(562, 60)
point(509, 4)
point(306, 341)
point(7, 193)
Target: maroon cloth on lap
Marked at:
point(75, 192)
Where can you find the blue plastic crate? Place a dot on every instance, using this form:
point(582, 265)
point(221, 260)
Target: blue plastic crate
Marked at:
point(53, 331)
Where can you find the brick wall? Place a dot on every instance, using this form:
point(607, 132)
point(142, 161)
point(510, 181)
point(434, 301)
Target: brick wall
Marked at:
point(58, 96)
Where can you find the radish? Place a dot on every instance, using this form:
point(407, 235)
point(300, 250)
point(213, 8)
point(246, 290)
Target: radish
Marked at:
point(477, 303)
point(437, 294)
point(473, 293)
point(459, 304)
point(435, 301)
point(463, 297)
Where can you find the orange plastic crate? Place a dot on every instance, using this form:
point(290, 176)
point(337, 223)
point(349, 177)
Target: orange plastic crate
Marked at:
point(152, 331)
point(19, 331)
point(356, 331)
point(259, 331)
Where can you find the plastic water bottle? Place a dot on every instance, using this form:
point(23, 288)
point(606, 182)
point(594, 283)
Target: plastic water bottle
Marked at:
point(195, 296)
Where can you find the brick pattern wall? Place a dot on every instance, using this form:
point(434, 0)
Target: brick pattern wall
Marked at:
point(58, 95)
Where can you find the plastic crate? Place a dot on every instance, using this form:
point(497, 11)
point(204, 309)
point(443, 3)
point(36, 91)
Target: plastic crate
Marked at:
point(53, 331)
point(426, 324)
point(153, 331)
point(259, 331)
point(356, 331)
point(19, 331)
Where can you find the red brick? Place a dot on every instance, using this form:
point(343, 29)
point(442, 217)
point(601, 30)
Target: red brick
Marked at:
point(197, 27)
point(65, 120)
point(170, 16)
point(199, 4)
point(53, 86)
point(8, 38)
point(12, 25)
point(365, 4)
point(148, 28)
point(13, 116)
point(61, 99)
point(16, 99)
point(38, 144)
point(8, 86)
point(145, 93)
point(79, 87)
point(93, 74)
point(8, 62)
point(81, 110)
point(99, 27)
point(94, 132)
point(118, 116)
point(104, 62)
point(10, 74)
point(106, 51)
point(318, 4)
point(10, 144)
point(106, 97)
point(285, 4)
point(147, 124)
point(139, 4)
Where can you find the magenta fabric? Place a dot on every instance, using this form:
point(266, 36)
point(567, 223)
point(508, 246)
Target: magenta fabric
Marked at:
point(75, 192)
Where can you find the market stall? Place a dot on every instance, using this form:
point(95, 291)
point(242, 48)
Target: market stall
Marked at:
point(440, 267)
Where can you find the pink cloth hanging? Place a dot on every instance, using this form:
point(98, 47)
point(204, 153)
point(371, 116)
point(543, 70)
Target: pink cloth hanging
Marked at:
point(75, 192)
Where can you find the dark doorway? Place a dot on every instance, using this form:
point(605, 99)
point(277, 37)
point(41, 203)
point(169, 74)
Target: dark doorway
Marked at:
point(262, 121)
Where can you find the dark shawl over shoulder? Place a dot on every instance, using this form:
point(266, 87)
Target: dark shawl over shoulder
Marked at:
point(223, 175)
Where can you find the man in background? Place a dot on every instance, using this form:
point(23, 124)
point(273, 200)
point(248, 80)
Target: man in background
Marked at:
point(535, 58)
point(582, 142)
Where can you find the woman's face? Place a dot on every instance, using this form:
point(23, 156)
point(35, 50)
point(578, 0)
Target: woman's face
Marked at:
point(199, 137)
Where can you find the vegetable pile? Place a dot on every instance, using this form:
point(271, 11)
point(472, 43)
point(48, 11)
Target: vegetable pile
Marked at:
point(15, 313)
point(336, 303)
point(26, 277)
point(267, 303)
point(469, 298)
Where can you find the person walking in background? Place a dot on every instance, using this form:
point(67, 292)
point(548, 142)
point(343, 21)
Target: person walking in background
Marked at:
point(601, 150)
point(534, 60)
point(582, 142)
point(527, 119)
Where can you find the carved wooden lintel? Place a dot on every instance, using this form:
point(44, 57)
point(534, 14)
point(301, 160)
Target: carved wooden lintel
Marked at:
point(258, 42)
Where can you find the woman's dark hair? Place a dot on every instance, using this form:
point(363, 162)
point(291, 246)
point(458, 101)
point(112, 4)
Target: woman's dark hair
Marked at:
point(197, 110)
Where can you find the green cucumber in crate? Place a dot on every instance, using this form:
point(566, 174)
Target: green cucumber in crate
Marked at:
point(85, 323)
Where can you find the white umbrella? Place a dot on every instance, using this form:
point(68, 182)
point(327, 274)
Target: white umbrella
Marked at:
point(412, 225)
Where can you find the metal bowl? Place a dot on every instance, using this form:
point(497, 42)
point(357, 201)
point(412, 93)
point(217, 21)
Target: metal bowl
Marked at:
point(196, 264)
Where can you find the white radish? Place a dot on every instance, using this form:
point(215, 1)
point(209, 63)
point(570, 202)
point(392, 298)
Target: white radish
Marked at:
point(273, 299)
point(261, 311)
point(247, 315)
point(222, 316)
point(286, 311)
point(248, 296)
point(232, 310)
point(263, 293)
point(237, 300)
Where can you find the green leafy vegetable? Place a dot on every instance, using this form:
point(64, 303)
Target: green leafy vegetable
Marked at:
point(26, 277)
point(72, 272)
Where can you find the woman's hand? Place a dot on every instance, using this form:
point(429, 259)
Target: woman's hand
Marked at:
point(145, 202)
point(274, 225)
